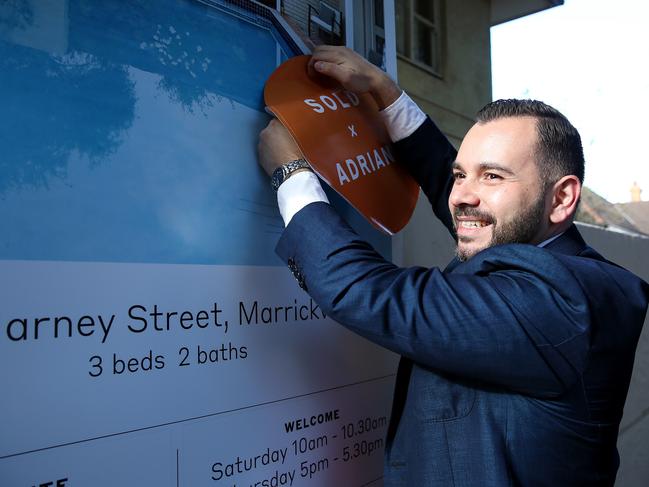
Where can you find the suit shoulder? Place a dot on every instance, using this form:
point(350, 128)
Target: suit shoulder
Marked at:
point(513, 257)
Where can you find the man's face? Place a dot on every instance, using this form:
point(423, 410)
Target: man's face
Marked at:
point(497, 196)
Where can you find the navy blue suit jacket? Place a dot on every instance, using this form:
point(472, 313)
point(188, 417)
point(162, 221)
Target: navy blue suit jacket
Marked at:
point(516, 363)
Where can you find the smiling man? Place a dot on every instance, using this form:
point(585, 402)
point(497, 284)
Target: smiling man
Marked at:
point(500, 193)
point(516, 358)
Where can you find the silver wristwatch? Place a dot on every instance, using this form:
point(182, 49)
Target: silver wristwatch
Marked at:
point(285, 170)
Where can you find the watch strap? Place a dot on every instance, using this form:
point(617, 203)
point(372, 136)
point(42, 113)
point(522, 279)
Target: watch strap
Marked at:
point(284, 171)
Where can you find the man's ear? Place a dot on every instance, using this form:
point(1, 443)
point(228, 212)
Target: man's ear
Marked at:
point(565, 197)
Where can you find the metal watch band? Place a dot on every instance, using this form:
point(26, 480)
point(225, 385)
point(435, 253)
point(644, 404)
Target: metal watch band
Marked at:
point(282, 173)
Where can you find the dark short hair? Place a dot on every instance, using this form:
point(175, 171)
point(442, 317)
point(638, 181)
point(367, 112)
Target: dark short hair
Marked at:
point(558, 150)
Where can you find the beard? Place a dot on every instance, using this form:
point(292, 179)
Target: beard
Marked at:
point(521, 228)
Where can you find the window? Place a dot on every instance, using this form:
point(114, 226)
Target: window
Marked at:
point(419, 32)
point(369, 23)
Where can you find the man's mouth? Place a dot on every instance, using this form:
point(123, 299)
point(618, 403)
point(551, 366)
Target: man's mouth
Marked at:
point(472, 223)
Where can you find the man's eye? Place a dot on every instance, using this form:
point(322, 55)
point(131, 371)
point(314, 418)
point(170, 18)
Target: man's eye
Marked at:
point(458, 175)
point(491, 176)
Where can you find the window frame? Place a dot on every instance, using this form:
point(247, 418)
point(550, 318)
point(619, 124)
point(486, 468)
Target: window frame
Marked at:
point(411, 18)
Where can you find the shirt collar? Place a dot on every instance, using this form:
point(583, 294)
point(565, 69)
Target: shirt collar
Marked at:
point(551, 239)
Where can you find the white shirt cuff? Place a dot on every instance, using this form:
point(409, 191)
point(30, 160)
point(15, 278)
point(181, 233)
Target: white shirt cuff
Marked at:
point(298, 191)
point(402, 118)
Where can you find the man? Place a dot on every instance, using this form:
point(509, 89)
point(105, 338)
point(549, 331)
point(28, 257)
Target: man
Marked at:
point(517, 357)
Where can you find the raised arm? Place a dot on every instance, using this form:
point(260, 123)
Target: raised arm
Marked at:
point(419, 145)
point(514, 317)
point(428, 156)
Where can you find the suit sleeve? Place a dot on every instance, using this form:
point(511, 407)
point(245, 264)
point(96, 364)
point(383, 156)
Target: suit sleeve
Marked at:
point(428, 156)
point(515, 317)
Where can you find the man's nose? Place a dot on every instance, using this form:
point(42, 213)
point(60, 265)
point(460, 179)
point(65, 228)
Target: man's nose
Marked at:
point(464, 193)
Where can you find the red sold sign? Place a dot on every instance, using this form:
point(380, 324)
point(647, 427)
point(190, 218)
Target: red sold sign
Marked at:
point(343, 138)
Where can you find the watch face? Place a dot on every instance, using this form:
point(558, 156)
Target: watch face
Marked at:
point(282, 172)
point(277, 178)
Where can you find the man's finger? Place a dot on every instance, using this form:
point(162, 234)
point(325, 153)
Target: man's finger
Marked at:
point(332, 56)
point(328, 58)
point(325, 48)
point(332, 70)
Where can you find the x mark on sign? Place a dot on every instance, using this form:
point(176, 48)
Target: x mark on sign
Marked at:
point(352, 130)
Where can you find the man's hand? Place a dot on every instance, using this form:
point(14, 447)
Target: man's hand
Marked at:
point(355, 73)
point(276, 147)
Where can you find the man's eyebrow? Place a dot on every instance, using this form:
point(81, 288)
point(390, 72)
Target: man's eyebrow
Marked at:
point(486, 166)
point(494, 166)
